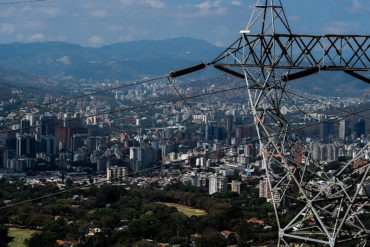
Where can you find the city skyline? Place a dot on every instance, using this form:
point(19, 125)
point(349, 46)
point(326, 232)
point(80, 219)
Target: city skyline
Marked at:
point(101, 153)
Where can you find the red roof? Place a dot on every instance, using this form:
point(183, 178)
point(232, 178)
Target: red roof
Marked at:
point(255, 221)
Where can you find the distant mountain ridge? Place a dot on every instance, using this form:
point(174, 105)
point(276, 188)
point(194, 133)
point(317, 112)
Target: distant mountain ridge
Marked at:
point(55, 64)
point(121, 61)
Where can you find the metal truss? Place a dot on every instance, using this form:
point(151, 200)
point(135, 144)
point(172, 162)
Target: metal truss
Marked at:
point(292, 51)
point(312, 206)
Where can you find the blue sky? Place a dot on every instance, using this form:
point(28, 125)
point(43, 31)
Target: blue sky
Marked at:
point(101, 22)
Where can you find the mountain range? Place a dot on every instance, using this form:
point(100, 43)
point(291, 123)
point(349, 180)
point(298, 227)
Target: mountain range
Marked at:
point(51, 64)
point(121, 61)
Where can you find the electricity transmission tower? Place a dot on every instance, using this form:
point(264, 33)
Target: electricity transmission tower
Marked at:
point(311, 206)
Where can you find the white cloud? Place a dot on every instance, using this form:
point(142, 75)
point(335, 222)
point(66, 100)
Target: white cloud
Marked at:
point(333, 30)
point(99, 13)
point(152, 3)
point(33, 25)
point(35, 37)
point(219, 44)
point(26, 8)
point(95, 40)
point(49, 11)
point(125, 38)
point(211, 8)
point(236, 3)
point(115, 28)
point(7, 28)
point(64, 60)
point(8, 12)
point(127, 2)
point(19, 37)
point(341, 27)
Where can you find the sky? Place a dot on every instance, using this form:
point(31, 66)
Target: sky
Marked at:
point(101, 22)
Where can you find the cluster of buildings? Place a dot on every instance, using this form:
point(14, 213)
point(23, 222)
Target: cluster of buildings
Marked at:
point(75, 137)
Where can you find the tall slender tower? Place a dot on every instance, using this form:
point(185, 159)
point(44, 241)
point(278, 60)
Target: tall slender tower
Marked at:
point(327, 207)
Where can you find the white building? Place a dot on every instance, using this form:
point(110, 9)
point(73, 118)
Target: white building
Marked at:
point(217, 184)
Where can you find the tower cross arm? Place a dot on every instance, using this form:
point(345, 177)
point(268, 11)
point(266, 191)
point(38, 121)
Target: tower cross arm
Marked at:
point(295, 51)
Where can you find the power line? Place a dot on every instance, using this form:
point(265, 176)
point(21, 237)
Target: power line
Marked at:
point(21, 2)
point(323, 103)
point(86, 95)
point(179, 161)
point(126, 109)
point(198, 109)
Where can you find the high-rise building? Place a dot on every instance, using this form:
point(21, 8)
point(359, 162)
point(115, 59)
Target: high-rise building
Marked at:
point(92, 143)
point(229, 124)
point(219, 133)
point(201, 161)
point(316, 151)
point(344, 129)
point(360, 127)
point(217, 184)
point(141, 158)
point(248, 131)
point(166, 148)
point(48, 125)
point(2, 157)
point(101, 164)
point(264, 189)
point(235, 186)
point(327, 131)
point(169, 132)
point(25, 126)
point(191, 179)
point(209, 131)
point(323, 153)
point(48, 145)
point(250, 150)
point(65, 134)
point(78, 140)
point(116, 173)
point(26, 145)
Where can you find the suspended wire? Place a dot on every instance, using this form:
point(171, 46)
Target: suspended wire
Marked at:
point(124, 110)
point(300, 109)
point(363, 100)
point(196, 108)
point(323, 103)
point(86, 95)
point(179, 161)
point(21, 2)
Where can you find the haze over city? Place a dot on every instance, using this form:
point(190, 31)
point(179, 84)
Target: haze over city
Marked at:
point(184, 123)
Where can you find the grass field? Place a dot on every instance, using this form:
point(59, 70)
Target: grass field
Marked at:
point(188, 211)
point(19, 235)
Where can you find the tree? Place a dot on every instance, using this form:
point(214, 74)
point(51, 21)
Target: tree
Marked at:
point(212, 239)
point(144, 244)
point(4, 239)
point(109, 194)
point(69, 182)
point(45, 239)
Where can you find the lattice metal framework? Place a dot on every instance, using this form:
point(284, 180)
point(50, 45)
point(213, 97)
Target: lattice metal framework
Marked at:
point(311, 205)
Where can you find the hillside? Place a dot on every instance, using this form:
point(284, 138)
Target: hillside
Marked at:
point(51, 64)
point(122, 61)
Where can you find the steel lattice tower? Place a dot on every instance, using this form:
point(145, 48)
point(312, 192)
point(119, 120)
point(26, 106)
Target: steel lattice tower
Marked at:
point(311, 206)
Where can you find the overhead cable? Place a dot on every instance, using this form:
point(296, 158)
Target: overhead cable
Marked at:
point(182, 160)
point(86, 95)
point(325, 104)
point(21, 2)
point(125, 109)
